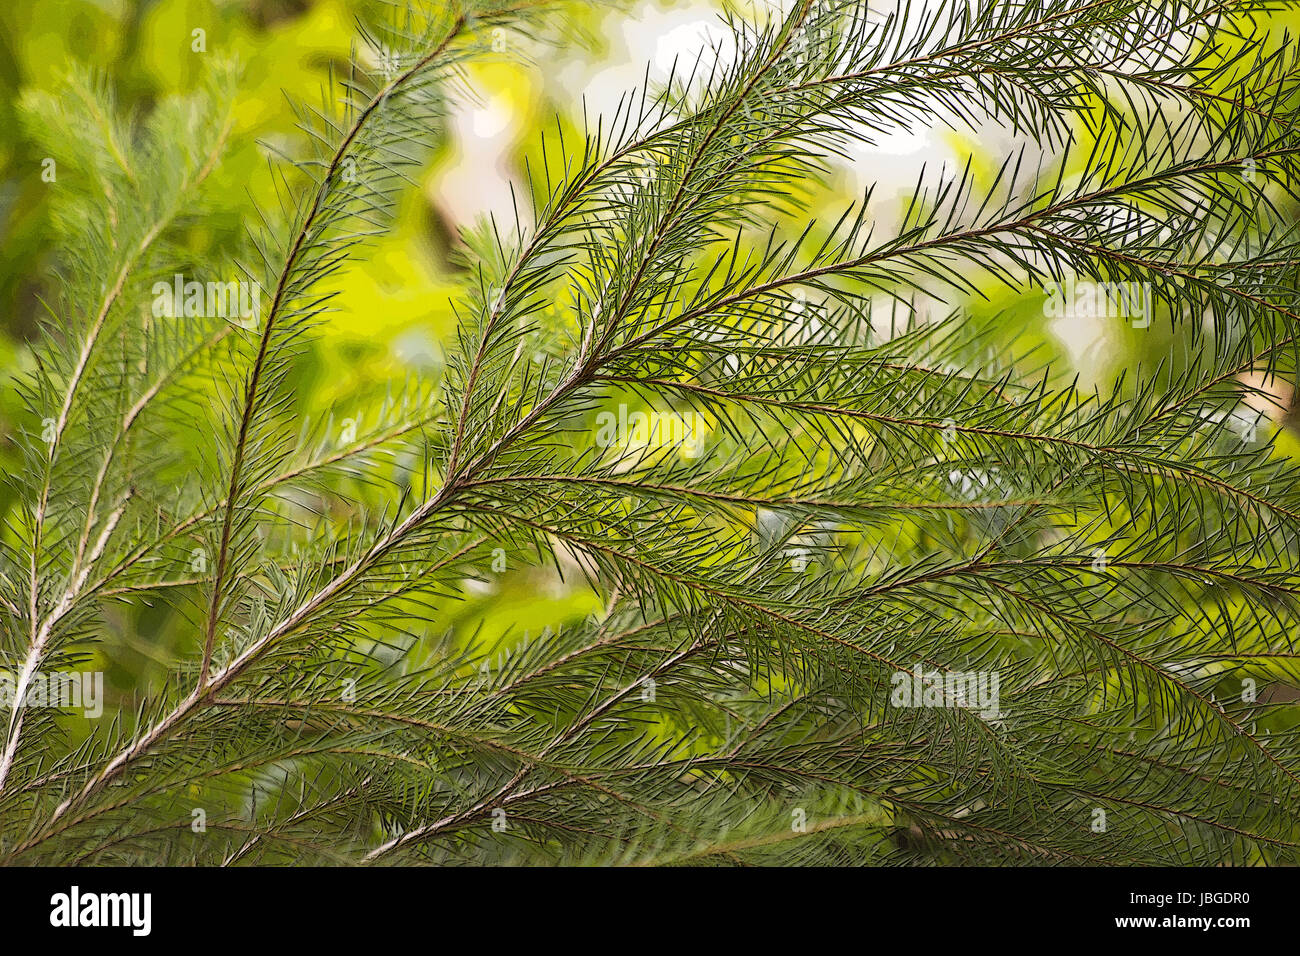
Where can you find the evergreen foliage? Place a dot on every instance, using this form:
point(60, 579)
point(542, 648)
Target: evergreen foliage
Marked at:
point(867, 492)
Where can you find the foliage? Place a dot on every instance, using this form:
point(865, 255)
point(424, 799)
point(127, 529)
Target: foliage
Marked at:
point(858, 498)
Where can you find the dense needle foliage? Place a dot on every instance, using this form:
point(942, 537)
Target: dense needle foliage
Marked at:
point(867, 490)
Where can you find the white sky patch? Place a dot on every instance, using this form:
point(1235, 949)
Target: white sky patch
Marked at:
point(490, 121)
point(704, 40)
point(1090, 343)
point(417, 348)
point(655, 37)
point(479, 181)
point(891, 160)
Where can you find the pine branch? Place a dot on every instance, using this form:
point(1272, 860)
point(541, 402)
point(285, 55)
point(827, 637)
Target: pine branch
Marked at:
point(860, 492)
